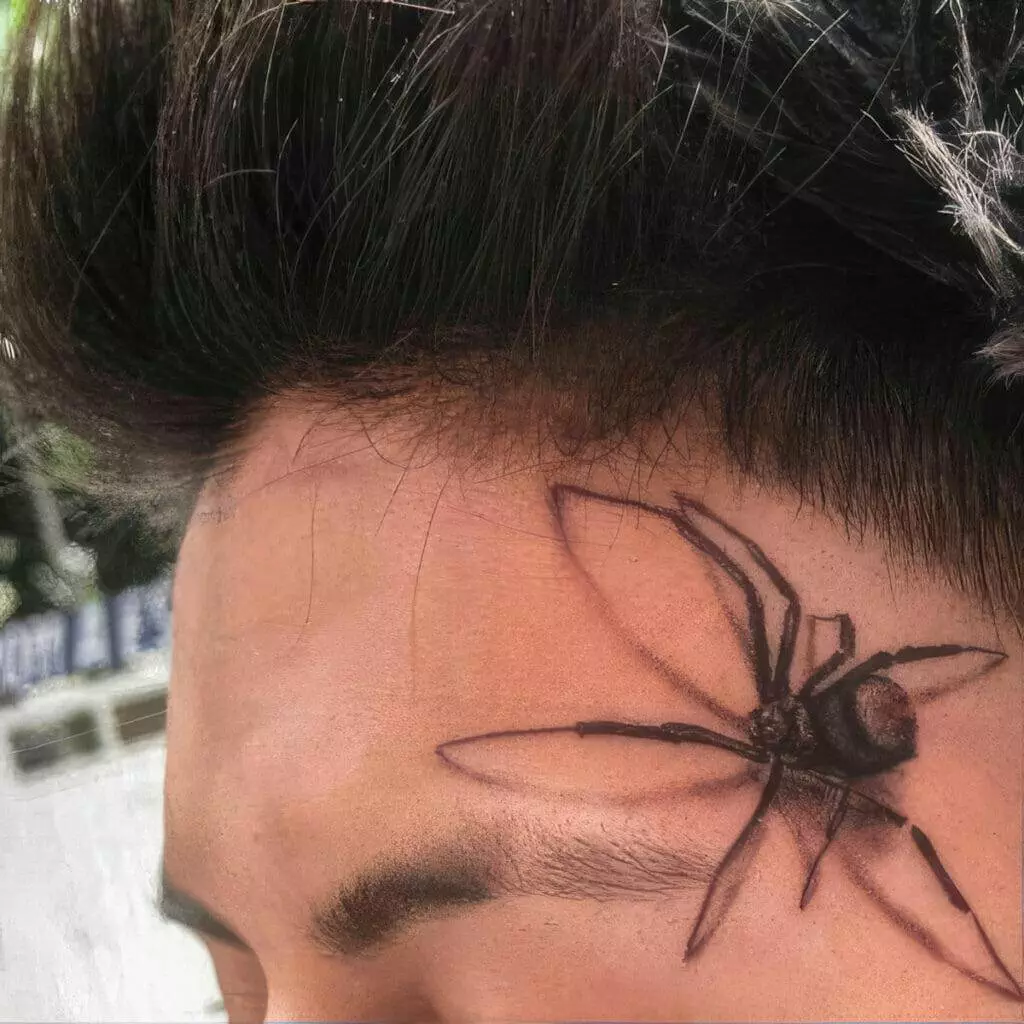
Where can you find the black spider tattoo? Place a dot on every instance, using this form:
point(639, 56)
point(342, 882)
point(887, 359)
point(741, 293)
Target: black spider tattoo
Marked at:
point(829, 730)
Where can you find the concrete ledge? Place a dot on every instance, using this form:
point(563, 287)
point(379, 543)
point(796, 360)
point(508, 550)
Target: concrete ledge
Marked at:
point(76, 720)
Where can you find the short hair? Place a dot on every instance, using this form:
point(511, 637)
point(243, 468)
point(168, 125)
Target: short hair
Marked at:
point(804, 214)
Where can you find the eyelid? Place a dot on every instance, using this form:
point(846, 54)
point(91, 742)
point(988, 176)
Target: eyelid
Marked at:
point(242, 983)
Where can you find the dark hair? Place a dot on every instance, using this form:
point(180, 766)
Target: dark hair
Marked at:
point(805, 213)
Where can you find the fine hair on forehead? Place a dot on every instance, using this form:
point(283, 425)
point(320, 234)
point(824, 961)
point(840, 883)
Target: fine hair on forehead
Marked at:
point(805, 215)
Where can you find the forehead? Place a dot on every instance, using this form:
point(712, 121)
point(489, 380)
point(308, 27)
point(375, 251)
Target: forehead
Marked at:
point(292, 692)
point(284, 678)
point(336, 616)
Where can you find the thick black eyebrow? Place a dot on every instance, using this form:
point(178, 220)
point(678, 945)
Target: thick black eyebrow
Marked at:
point(374, 909)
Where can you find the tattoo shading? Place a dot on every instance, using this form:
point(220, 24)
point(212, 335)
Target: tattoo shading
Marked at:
point(848, 721)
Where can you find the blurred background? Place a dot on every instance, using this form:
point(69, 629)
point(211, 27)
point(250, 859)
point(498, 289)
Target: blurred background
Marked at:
point(85, 627)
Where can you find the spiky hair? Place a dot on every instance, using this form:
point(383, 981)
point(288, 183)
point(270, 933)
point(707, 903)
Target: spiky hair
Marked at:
point(808, 211)
point(901, 120)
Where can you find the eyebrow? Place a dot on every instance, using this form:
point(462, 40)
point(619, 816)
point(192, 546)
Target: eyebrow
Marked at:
point(174, 904)
point(373, 910)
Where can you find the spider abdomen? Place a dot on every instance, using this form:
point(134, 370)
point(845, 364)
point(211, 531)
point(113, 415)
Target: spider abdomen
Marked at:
point(866, 725)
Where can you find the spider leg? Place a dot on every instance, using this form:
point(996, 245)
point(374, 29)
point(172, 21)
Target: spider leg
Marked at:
point(927, 850)
point(771, 685)
point(956, 897)
point(671, 732)
point(882, 660)
point(847, 645)
point(870, 805)
point(730, 871)
point(834, 821)
point(559, 496)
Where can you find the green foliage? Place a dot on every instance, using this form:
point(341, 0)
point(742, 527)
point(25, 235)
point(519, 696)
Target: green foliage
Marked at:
point(17, 11)
point(66, 458)
point(87, 550)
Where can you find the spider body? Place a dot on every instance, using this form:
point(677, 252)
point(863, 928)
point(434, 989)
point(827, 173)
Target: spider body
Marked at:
point(785, 728)
point(865, 726)
point(856, 728)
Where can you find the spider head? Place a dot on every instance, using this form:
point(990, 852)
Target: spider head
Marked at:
point(783, 727)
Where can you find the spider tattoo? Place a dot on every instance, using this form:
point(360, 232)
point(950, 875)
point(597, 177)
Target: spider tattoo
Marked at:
point(842, 724)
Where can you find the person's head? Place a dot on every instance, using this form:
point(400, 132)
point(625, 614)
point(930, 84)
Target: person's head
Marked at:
point(342, 293)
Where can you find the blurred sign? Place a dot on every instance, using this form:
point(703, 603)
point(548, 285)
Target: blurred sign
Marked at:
point(102, 634)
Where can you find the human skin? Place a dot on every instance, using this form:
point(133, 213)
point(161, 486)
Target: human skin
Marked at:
point(341, 608)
